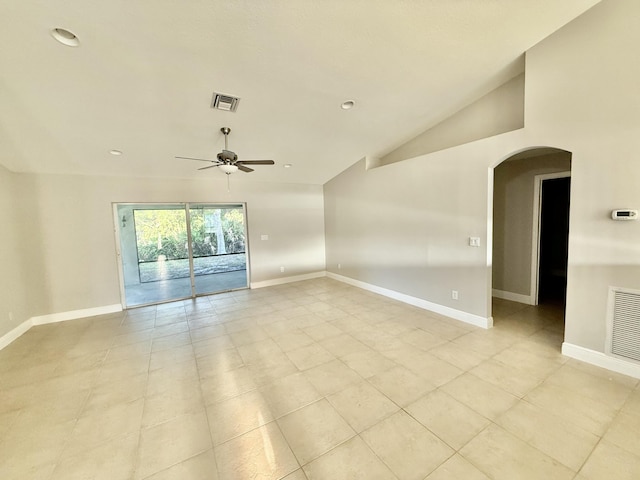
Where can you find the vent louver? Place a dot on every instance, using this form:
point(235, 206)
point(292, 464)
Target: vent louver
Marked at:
point(625, 324)
point(225, 102)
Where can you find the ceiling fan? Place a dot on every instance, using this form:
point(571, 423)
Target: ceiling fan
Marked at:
point(227, 161)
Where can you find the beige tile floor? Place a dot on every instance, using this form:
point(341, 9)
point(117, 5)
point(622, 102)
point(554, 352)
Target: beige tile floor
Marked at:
point(306, 381)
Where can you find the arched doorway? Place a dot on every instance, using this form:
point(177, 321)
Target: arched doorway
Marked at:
point(531, 191)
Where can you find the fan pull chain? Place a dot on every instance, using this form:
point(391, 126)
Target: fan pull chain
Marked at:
point(228, 187)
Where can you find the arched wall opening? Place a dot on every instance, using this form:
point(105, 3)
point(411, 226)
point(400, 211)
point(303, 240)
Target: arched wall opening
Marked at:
point(529, 227)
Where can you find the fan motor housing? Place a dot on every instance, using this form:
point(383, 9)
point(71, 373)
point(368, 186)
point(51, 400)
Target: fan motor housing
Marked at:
point(227, 156)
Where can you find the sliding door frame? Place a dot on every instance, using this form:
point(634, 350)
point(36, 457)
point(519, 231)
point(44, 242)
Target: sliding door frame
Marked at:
point(187, 207)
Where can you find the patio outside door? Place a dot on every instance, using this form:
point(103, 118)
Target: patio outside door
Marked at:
point(176, 251)
point(219, 247)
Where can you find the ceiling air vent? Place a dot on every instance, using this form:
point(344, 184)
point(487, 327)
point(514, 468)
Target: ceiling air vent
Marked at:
point(222, 101)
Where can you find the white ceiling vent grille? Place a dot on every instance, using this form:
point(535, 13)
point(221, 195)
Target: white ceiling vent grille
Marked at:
point(222, 101)
point(625, 323)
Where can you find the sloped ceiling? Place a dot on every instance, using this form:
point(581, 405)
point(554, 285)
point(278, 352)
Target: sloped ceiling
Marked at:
point(142, 79)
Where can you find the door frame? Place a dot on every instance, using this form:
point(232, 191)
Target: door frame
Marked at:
point(535, 237)
point(116, 232)
point(186, 206)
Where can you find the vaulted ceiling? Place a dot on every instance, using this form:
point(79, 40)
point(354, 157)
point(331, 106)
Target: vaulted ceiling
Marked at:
point(142, 79)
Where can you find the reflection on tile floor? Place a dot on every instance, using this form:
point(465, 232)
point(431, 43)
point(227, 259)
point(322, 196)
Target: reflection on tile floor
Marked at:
point(311, 380)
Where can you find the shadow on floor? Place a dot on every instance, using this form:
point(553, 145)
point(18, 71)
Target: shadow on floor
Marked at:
point(545, 320)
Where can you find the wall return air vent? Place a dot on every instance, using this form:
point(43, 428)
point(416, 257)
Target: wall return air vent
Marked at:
point(623, 339)
point(225, 102)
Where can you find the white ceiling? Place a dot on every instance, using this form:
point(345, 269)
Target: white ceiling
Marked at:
point(143, 77)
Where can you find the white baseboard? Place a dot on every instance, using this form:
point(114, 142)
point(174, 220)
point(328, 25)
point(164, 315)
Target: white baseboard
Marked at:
point(514, 297)
point(74, 314)
point(599, 359)
point(12, 335)
point(21, 329)
point(283, 280)
point(466, 317)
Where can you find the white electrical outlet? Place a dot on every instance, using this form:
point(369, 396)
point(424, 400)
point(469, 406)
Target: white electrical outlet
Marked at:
point(11, 316)
point(264, 237)
point(454, 294)
point(281, 269)
point(339, 266)
point(474, 241)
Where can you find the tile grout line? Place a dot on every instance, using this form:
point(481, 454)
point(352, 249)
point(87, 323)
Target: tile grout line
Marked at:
point(206, 410)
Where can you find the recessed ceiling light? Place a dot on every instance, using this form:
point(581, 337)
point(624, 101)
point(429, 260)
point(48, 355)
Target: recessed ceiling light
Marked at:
point(65, 37)
point(115, 152)
point(287, 165)
point(347, 105)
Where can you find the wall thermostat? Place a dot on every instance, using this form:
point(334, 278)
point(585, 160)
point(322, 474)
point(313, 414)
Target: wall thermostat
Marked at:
point(624, 214)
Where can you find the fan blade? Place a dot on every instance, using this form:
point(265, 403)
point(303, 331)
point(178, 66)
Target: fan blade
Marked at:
point(198, 159)
point(243, 168)
point(257, 162)
point(210, 166)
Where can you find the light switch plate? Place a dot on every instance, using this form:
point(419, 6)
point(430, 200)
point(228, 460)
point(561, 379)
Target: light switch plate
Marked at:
point(474, 241)
point(264, 237)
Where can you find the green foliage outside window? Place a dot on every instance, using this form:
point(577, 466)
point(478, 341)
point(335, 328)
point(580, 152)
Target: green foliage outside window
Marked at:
point(163, 232)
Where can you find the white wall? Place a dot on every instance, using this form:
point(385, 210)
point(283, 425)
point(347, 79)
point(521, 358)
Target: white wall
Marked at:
point(406, 226)
point(13, 279)
point(583, 89)
point(499, 111)
point(581, 95)
point(513, 190)
point(72, 219)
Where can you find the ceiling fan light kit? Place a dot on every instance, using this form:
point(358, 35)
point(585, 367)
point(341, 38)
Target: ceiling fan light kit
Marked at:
point(227, 161)
point(228, 169)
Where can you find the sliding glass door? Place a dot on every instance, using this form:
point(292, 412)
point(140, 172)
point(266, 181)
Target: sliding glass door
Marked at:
point(219, 247)
point(175, 251)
